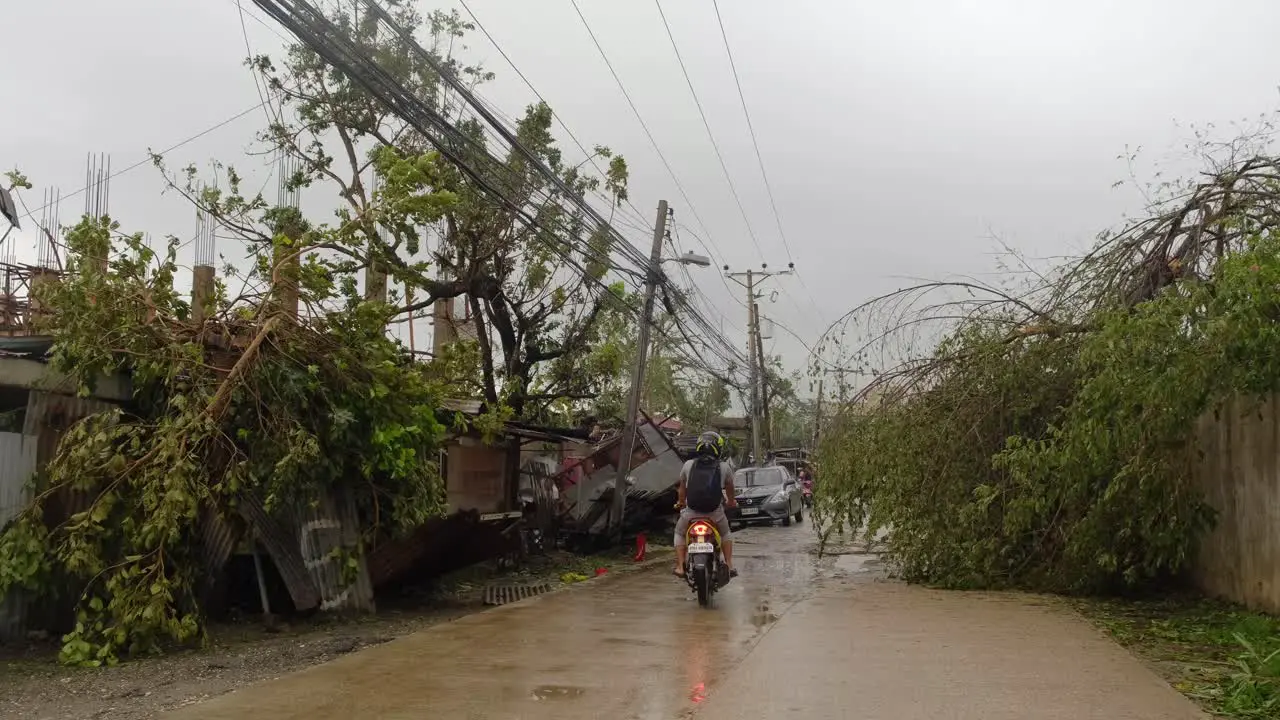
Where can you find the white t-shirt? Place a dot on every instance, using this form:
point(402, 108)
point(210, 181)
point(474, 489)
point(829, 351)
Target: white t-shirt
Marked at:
point(726, 473)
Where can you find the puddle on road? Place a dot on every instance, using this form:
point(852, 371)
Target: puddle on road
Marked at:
point(762, 617)
point(556, 692)
point(858, 563)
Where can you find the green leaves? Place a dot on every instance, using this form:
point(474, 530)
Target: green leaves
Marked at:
point(1060, 462)
point(331, 407)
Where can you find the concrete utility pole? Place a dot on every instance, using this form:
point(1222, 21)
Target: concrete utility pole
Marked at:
point(752, 329)
point(755, 351)
point(764, 381)
point(652, 277)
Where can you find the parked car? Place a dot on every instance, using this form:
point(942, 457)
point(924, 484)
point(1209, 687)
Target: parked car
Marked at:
point(766, 494)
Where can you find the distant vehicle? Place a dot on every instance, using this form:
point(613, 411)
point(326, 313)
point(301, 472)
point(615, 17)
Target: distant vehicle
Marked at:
point(767, 495)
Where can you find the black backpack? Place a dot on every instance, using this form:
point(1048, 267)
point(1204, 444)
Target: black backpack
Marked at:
point(704, 487)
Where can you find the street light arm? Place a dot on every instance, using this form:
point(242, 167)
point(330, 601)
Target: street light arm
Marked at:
point(690, 258)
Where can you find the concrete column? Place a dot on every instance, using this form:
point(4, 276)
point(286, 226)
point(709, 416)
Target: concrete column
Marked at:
point(288, 266)
point(375, 283)
point(201, 292)
point(39, 278)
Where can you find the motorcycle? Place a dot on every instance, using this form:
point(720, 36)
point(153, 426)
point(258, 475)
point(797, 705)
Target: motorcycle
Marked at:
point(806, 490)
point(705, 569)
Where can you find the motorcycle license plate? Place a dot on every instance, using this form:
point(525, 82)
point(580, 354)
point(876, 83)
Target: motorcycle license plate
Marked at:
point(750, 511)
point(701, 547)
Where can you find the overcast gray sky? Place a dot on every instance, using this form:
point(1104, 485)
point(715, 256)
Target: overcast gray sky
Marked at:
point(899, 137)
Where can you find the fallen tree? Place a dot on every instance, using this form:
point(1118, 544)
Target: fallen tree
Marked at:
point(1043, 441)
point(251, 402)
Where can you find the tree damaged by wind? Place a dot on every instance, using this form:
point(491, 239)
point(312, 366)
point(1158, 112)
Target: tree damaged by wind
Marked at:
point(1038, 435)
point(284, 386)
point(518, 244)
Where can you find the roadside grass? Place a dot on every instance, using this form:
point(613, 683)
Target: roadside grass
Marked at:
point(1222, 656)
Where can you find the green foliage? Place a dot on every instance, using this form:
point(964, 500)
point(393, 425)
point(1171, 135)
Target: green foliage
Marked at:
point(673, 385)
point(1224, 657)
point(531, 291)
point(296, 413)
point(1059, 460)
point(17, 180)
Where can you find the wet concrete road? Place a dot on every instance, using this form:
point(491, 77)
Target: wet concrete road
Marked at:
point(794, 636)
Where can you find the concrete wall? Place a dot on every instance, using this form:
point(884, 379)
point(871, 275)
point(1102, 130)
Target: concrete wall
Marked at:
point(1238, 466)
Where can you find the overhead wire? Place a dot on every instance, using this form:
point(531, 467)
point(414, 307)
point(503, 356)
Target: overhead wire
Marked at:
point(640, 118)
point(581, 147)
point(384, 89)
point(412, 110)
point(525, 78)
point(724, 168)
point(148, 159)
point(751, 127)
point(590, 156)
point(755, 144)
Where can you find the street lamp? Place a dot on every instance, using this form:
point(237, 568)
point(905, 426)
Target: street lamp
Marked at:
point(691, 258)
point(653, 275)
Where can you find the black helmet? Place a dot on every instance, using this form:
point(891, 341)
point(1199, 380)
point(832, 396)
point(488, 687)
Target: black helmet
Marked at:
point(710, 444)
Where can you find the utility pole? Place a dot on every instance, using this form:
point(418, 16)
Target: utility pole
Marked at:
point(764, 380)
point(628, 444)
point(752, 330)
point(755, 353)
point(652, 277)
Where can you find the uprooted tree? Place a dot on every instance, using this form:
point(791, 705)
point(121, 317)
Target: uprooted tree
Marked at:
point(1047, 439)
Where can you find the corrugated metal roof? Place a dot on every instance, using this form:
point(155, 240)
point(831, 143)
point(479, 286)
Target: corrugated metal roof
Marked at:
point(17, 464)
point(300, 545)
point(218, 540)
point(647, 481)
point(32, 345)
point(462, 405)
point(330, 526)
point(282, 544)
point(8, 209)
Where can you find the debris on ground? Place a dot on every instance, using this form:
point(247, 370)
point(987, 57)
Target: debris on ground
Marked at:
point(1224, 657)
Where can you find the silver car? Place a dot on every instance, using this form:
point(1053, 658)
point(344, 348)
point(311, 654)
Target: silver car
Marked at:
point(767, 494)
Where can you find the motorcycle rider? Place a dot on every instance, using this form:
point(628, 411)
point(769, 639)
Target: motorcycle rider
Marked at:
point(704, 490)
